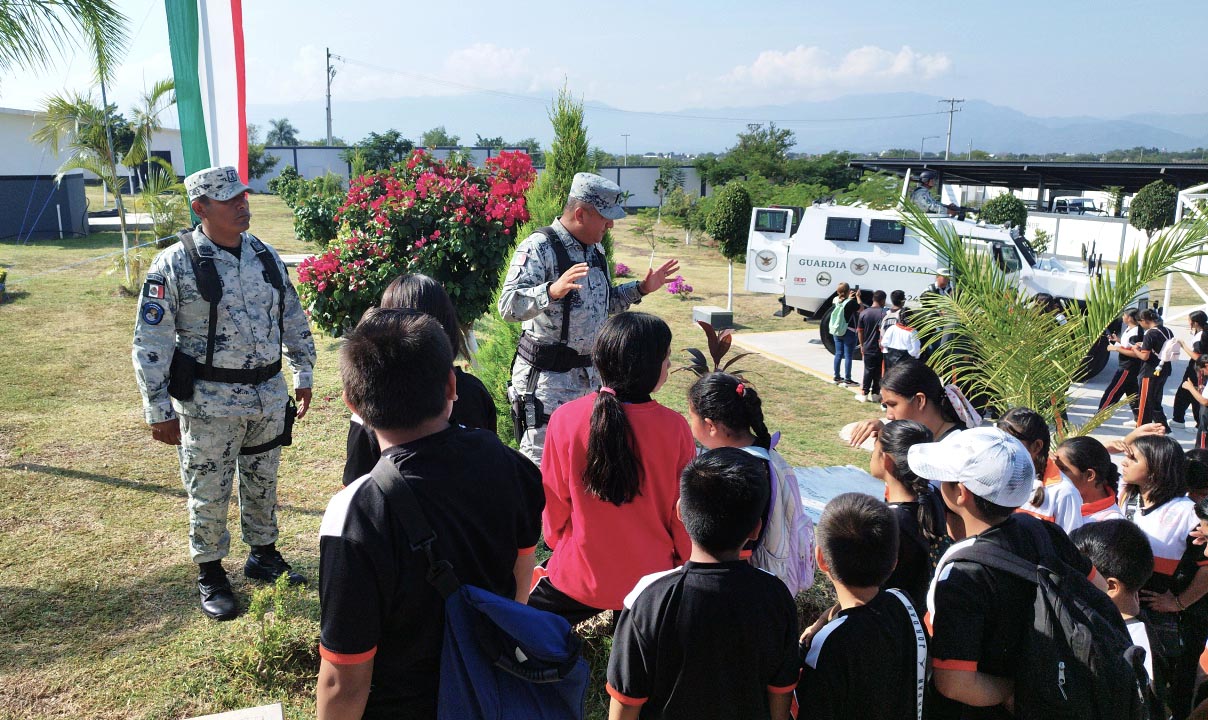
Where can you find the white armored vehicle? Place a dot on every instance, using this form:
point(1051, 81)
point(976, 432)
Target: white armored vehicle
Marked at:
point(802, 255)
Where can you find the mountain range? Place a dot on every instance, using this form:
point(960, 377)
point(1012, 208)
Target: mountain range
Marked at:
point(859, 123)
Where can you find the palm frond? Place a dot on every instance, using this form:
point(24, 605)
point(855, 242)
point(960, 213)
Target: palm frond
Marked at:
point(1007, 349)
point(33, 31)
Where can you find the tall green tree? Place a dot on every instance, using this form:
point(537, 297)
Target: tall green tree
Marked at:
point(259, 162)
point(439, 137)
point(32, 32)
point(729, 223)
point(1154, 206)
point(671, 175)
point(281, 132)
point(379, 152)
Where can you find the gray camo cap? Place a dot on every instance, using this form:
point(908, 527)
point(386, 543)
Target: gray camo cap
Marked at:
point(603, 194)
point(217, 183)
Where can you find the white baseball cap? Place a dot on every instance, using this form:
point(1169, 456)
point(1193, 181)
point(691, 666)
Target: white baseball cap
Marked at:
point(992, 464)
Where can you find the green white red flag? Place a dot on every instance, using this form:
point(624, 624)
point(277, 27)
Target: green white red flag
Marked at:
point(206, 40)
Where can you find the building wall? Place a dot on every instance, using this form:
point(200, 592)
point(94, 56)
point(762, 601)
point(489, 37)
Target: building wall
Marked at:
point(32, 205)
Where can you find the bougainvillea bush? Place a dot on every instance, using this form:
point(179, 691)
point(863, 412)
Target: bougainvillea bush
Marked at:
point(446, 219)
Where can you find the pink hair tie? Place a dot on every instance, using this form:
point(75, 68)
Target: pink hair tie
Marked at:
point(741, 389)
point(606, 389)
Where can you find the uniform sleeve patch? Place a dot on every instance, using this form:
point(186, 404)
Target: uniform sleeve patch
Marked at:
point(519, 259)
point(154, 288)
point(152, 313)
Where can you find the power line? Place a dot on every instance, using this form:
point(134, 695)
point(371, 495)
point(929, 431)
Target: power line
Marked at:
point(649, 113)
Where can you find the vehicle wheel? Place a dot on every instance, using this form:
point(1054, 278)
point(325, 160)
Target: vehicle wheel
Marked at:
point(1094, 362)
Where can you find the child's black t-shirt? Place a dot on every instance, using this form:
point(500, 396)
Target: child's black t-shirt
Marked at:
point(707, 640)
point(862, 664)
point(483, 501)
point(1153, 340)
point(912, 575)
point(980, 616)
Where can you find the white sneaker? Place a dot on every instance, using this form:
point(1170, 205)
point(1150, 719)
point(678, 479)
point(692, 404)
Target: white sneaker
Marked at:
point(1190, 424)
point(1129, 424)
point(875, 397)
point(861, 398)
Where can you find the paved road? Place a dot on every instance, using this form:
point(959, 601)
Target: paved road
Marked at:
point(803, 350)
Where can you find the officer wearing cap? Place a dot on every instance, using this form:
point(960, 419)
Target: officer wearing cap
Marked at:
point(923, 198)
point(216, 315)
point(559, 286)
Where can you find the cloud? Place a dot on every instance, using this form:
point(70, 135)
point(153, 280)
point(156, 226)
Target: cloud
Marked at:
point(807, 71)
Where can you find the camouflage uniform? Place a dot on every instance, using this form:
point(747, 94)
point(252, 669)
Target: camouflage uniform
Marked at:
point(926, 201)
point(525, 297)
point(222, 417)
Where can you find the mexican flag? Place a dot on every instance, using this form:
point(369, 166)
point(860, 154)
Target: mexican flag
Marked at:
point(206, 40)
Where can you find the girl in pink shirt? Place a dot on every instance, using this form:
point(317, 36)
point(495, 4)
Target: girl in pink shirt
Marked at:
point(611, 470)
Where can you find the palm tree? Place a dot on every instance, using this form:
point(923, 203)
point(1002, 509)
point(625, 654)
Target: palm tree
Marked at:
point(281, 132)
point(76, 126)
point(32, 31)
point(1004, 346)
point(154, 102)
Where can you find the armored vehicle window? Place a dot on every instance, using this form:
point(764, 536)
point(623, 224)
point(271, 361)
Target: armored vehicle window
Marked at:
point(886, 231)
point(771, 221)
point(843, 229)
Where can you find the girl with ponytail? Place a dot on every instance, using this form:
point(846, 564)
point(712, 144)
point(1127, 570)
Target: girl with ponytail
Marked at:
point(1054, 496)
point(725, 411)
point(910, 390)
point(1086, 462)
point(611, 471)
point(922, 530)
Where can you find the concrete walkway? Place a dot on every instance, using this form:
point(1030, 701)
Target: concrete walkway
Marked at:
point(804, 351)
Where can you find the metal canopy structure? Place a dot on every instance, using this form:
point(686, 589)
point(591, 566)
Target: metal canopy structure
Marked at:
point(1044, 176)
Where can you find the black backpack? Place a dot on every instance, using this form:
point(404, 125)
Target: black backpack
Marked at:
point(1080, 660)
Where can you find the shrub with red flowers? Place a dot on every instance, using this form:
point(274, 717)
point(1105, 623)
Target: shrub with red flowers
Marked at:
point(447, 219)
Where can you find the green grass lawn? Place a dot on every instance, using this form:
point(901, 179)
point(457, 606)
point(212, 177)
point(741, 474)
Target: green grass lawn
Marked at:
point(96, 587)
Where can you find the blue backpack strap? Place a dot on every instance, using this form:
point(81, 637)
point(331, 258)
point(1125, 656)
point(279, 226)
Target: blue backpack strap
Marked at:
point(422, 538)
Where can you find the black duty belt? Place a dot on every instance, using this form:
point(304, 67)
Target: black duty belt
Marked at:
point(250, 376)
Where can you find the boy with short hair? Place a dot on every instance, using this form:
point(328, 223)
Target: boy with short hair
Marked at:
point(381, 622)
point(981, 616)
point(865, 661)
point(716, 638)
point(1120, 551)
point(868, 329)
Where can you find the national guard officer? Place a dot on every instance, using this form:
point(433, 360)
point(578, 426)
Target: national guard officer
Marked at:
point(216, 314)
point(925, 200)
point(560, 287)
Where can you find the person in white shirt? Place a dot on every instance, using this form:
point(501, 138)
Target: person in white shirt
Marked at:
point(1197, 321)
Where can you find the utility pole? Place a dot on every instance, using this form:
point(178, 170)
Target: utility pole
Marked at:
point(625, 162)
point(952, 108)
point(331, 73)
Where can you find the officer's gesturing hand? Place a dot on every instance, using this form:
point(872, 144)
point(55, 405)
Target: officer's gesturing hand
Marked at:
point(658, 277)
point(569, 281)
point(167, 432)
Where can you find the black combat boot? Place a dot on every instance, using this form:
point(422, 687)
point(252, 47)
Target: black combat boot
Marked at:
point(265, 563)
point(217, 598)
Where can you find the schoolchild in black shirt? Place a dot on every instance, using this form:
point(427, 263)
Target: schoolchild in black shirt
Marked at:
point(922, 532)
point(716, 638)
point(1124, 382)
point(1153, 373)
point(867, 660)
point(980, 616)
point(381, 622)
point(473, 407)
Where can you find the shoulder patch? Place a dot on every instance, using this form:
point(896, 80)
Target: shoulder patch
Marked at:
point(154, 287)
point(520, 258)
point(152, 312)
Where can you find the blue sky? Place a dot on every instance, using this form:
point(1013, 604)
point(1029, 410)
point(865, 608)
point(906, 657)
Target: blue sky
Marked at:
point(1105, 59)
